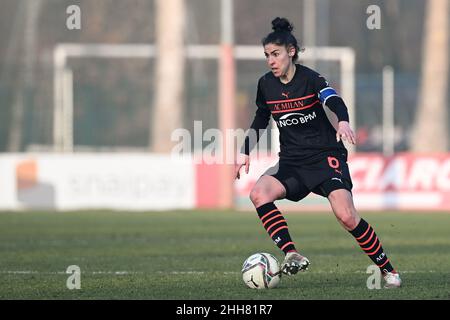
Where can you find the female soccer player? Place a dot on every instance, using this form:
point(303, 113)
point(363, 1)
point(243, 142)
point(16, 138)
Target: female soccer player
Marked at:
point(312, 155)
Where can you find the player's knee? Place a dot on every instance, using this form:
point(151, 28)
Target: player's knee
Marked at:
point(258, 196)
point(348, 218)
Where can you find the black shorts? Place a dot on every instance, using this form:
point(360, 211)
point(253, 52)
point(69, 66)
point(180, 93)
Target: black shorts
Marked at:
point(329, 174)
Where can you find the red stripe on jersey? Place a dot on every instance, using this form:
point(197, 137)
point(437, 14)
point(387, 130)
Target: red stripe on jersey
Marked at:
point(291, 100)
point(301, 108)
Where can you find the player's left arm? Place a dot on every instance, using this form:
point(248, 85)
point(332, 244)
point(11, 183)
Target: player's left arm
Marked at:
point(329, 97)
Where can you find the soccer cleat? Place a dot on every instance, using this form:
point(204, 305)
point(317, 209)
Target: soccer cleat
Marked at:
point(392, 280)
point(293, 263)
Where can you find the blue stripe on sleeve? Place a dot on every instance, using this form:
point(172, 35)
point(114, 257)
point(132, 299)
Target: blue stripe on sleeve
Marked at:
point(326, 93)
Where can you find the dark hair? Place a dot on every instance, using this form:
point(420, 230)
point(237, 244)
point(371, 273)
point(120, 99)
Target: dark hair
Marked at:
point(282, 36)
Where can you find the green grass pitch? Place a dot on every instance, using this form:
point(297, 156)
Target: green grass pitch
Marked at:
point(199, 254)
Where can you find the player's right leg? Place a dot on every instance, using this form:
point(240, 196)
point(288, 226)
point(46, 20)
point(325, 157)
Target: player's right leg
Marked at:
point(266, 190)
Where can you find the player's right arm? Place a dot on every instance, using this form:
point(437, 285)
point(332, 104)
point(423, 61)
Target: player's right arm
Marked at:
point(260, 122)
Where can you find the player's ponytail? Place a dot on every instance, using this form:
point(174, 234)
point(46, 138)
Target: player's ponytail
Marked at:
point(282, 36)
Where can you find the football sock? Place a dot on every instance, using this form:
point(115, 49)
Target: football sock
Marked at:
point(276, 226)
point(371, 245)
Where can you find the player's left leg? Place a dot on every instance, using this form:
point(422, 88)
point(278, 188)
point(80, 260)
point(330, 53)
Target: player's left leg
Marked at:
point(342, 204)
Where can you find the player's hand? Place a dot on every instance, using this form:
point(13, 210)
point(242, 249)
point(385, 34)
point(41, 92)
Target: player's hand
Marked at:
point(345, 133)
point(241, 160)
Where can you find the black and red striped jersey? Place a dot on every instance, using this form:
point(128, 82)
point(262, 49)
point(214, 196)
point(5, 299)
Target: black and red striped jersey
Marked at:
point(296, 107)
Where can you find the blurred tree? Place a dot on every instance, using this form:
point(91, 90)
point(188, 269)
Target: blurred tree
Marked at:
point(169, 75)
point(430, 132)
point(31, 11)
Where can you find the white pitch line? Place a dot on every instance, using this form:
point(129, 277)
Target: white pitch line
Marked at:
point(62, 272)
point(192, 272)
point(181, 272)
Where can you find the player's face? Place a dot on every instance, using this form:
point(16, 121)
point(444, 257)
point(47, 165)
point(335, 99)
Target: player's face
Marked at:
point(278, 59)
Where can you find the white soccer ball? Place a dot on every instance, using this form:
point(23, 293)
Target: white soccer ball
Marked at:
point(261, 271)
